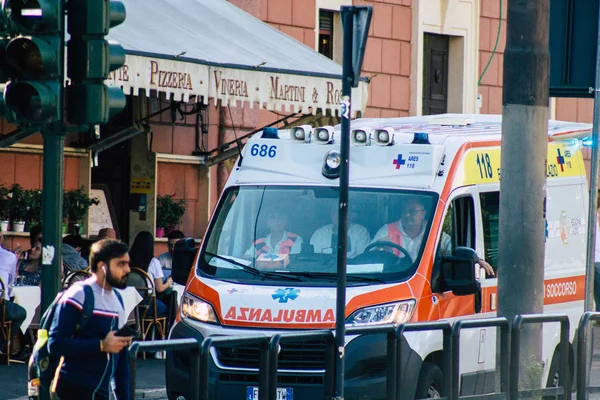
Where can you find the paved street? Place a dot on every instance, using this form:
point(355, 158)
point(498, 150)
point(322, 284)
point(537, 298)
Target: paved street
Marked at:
point(150, 380)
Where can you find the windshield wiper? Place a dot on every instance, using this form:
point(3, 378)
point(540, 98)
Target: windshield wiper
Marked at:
point(252, 270)
point(334, 275)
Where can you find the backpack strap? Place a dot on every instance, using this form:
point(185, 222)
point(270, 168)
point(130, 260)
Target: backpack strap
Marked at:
point(120, 298)
point(88, 306)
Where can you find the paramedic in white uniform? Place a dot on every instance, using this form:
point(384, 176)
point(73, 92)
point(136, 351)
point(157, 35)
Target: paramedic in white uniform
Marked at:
point(323, 237)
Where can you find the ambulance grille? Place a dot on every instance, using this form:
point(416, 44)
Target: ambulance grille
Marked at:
point(308, 355)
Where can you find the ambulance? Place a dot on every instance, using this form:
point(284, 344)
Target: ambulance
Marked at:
point(424, 203)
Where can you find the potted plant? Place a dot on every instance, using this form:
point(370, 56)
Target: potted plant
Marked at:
point(18, 207)
point(33, 201)
point(4, 208)
point(75, 205)
point(168, 213)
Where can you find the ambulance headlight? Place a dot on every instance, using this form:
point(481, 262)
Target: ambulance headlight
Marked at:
point(194, 308)
point(331, 164)
point(324, 135)
point(384, 137)
point(360, 137)
point(392, 313)
point(301, 133)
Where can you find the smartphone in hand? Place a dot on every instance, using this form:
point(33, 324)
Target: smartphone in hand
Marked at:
point(125, 331)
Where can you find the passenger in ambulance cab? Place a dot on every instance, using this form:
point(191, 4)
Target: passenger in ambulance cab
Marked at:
point(278, 241)
point(324, 240)
point(409, 232)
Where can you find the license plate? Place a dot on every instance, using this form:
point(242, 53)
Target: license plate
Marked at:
point(282, 393)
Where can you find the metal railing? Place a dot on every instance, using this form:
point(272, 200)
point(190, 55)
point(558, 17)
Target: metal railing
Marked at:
point(219, 341)
point(168, 345)
point(564, 385)
point(395, 333)
point(275, 347)
point(504, 326)
point(447, 349)
point(582, 387)
point(509, 353)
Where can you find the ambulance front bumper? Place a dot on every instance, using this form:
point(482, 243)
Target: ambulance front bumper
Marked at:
point(232, 372)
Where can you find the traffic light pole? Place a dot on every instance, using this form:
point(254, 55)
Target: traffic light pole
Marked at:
point(340, 314)
point(53, 185)
point(52, 205)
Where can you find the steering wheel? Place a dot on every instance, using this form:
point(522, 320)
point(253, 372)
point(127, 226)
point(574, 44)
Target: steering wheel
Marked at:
point(388, 244)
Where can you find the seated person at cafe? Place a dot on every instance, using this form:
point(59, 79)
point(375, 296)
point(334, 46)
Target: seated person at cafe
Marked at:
point(279, 240)
point(14, 312)
point(166, 258)
point(71, 248)
point(29, 266)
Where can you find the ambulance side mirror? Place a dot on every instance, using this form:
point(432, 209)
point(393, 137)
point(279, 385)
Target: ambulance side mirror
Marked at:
point(458, 272)
point(184, 253)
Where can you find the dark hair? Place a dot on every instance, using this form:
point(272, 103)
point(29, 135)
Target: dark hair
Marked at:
point(142, 250)
point(74, 241)
point(175, 234)
point(34, 232)
point(105, 250)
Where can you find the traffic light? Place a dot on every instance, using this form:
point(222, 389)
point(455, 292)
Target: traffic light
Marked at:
point(33, 41)
point(90, 59)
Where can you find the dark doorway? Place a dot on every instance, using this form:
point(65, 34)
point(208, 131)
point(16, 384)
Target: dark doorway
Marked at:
point(113, 172)
point(435, 74)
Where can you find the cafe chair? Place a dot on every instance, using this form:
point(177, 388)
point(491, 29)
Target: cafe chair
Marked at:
point(147, 311)
point(5, 326)
point(75, 276)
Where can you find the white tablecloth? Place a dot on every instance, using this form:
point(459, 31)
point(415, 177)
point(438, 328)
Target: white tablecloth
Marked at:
point(131, 298)
point(29, 298)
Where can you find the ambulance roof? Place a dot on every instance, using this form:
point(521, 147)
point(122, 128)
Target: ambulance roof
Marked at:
point(465, 124)
point(415, 155)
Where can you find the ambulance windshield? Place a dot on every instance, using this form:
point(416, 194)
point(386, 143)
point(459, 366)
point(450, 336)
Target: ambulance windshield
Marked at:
point(274, 233)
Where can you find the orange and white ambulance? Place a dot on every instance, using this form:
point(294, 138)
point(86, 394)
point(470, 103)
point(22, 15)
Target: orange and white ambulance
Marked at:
point(420, 187)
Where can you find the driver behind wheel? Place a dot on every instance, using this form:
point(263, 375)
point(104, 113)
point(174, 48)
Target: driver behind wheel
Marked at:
point(409, 231)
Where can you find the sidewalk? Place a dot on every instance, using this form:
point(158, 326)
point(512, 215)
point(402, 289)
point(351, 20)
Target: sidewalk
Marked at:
point(150, 380)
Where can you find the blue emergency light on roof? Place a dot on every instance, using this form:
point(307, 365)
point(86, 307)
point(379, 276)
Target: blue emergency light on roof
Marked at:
point(587, 141)
point(270, 133)
point(421, 138)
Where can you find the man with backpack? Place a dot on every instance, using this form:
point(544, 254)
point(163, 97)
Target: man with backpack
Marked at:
point(93, 360)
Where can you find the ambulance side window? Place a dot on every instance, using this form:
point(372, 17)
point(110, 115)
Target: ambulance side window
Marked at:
point(459, 224)
point(458, 229)
point(490, 207)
